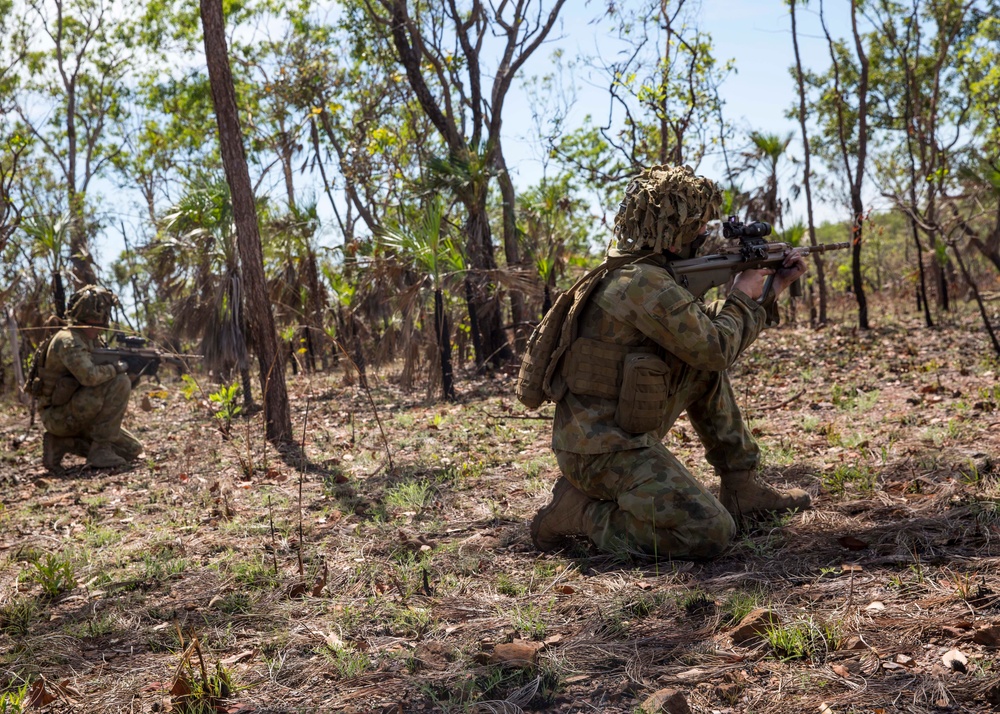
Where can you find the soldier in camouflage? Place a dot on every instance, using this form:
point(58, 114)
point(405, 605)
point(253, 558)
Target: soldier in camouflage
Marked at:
point(82, 403)
point(645, 350)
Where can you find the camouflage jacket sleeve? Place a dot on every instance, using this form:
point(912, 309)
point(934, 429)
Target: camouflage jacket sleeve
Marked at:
point(72, 351)
point(648, 298)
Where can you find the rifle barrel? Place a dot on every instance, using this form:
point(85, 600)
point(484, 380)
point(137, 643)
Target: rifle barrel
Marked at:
point(824, 247)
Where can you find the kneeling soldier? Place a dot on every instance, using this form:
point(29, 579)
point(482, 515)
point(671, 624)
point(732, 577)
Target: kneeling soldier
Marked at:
point(82, 403)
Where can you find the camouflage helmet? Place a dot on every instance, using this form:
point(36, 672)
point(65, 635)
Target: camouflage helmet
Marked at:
point(664, 208)
point(91, 305)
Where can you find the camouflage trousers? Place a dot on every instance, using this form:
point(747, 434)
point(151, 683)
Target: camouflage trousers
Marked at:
point(647, 501)
point(95, 414)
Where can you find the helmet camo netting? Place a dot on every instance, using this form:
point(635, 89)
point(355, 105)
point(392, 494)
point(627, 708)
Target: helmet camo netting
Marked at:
point(664, 208)
point(91, 305)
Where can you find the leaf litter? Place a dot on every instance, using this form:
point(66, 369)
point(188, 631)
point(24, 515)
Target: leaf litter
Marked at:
point(419, 590)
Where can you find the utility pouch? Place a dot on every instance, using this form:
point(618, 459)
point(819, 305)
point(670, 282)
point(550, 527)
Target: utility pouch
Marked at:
point(63, 391)
point(642, 402)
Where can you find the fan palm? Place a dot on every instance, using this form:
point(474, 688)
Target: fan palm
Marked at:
point(432, 254)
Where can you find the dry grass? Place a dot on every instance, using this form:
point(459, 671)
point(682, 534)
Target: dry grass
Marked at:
point(419, 572)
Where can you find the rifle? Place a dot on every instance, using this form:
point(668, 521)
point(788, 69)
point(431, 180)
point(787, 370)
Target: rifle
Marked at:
point(699, 275)
point(140, 359)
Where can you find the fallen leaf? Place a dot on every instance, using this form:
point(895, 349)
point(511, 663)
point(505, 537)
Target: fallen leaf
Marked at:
point(145, 404)
point(180, 688)
point(320, 581)
point(566, 589)
point(988, 636)
point(954, 659)
point(876, 606)
point(851, 568)
point(852, 543)
point(38, 695)
point(825, 708)
point(237, 658)
point(905, 660)
point(296, 590)
point(841, 670)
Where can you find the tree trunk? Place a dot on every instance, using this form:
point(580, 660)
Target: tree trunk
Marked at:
point(443, 330)
point(922, 288)
point(979, 300)
point(859, 288)
point(806, 175)
point(518, 315)
point(272, 374)
point(495, 347)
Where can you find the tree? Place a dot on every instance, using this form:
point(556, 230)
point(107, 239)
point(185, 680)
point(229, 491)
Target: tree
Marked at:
point(450, 89)
point(422, 242)
point(845, 126)
point(802, 115)
point(81, 53)
point(664, 104)
point(272, 375)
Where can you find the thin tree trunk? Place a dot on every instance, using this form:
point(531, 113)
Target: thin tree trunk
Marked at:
point(265, 340)
point(806, 173)
point(15, 357)
point(979, 300)
point(443, 330)
point(512, 253)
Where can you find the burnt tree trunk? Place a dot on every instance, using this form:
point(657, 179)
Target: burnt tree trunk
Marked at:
point(272, 374)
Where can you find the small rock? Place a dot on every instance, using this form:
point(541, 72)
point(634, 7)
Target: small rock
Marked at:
point(518, 653)
point(954, 659)
point(905, 660)
point(754, 625)
point(665, 701)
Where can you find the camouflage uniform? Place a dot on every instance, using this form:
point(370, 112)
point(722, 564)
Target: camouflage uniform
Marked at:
point(82, 403)
point(645, 499)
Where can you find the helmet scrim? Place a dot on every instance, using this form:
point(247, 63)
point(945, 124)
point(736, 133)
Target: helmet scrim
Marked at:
point(91, 305)
point(664, 208)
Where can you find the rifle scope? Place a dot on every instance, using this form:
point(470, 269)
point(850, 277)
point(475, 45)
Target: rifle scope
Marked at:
point(733, 228)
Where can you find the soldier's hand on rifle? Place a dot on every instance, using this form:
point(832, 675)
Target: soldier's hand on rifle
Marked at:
point(121, 366)
point(791, 270)
point(751, 282)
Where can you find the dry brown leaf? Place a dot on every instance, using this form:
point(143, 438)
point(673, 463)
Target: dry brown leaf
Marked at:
point(566, 589)
point(180, 688)
point(841, 670)
point(320, 581)
point(237, 658)
point(988, 636)
point(852, 543)
point(38, 695)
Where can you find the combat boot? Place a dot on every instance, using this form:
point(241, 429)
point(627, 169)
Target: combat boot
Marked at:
point(103, 456)
point(566, 515)
point(745, 493)
point(54, 448)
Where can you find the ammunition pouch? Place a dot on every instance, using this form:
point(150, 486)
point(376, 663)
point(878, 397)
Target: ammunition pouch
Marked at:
point(635, 375)
point(642, 401)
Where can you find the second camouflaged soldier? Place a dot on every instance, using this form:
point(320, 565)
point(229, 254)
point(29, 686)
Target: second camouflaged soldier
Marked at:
point(82, 403)
point(641, 350)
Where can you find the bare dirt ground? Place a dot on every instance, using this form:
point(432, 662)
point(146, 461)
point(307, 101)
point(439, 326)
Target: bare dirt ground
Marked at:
point(389, 568)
